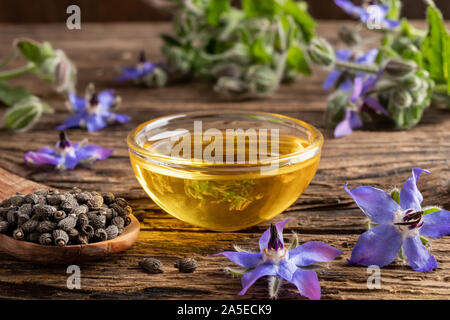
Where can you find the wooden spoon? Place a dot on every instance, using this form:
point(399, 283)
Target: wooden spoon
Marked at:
point(10, 184)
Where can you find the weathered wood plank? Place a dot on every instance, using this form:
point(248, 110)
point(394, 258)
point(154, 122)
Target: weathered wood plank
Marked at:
point(324, 212)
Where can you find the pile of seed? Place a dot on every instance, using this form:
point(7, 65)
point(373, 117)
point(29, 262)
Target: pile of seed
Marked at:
point(50, 217)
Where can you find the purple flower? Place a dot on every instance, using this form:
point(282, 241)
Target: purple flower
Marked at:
point(94, 111)
point(67, 155)
point(399, 226)
point(276, 261)
point(369, 12)
point(361, 101)
point(345, 78)
point(137, 72)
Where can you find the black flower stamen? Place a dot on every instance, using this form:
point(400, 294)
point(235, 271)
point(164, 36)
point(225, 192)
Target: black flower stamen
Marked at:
point(274, 242)
point(94, 100)
point(63, 140)
point(411, 219)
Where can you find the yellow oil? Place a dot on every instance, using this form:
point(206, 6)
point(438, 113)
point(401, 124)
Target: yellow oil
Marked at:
point(225, 201)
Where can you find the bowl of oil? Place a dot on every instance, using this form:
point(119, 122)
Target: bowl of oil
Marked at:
point(224, 171)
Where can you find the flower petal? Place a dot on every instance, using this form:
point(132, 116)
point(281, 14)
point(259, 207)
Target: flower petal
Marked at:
point(418, 256)
point(375, 105)
point(357, 89)
point(265, 237)
point(313, 252)
point(46, 150)
point(78, 104)
point(344, 54)
point(377, 246)
point(106, 98)
point(436, 224)
point(93, 152)
point(331, 80)
point(345, 127)
point(121, 118)
point(368, 57)
point(286, 270)
point(307, 284)
point(70, 161)
point(70, 122)
point(376, 204)
point(346, 85)
point(250, 277)
point(37, 158)
point(243, 259)
point(410, 196)
point(95, 123)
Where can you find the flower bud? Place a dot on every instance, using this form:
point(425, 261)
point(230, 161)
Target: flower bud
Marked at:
point(25, 113)
point(178, 60)
point(397, 68)
point(155, 79)
point(336, 107)
point(261, 79)
point(239, 53)
point(402, 98)
point(321, 52)
point(413, 83)
point(349, 36)
point(226, 69)
point(230, 87)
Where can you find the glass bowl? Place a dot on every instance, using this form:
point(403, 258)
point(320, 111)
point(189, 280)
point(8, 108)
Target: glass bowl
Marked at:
point(224, 171)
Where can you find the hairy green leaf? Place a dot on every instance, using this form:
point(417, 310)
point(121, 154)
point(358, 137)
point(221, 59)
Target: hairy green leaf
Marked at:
point(10, 95)
point(215, 9)
point(296, 60)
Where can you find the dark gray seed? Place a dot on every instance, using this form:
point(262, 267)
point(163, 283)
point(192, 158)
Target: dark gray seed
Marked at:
point(112, 232)
point(30, 226)
point(80, 210)
point(83, 197)
point(17, 200)
point(67, 223)
point(32, 198)
point(34, 237)
point(22, 218)
point(100, 235)
point(83, 239)
point(46, 239)
point(186, 265)
point(4, 226)
point(61, 238)
point(121, 202)
point(55, 199)
point(18, 234)
point(26, 208)
point(44, 211)
point(88, 230)
point(151, 265)
point(127, 220)
point(46, 226)
point(73, 234)
point(42, 192)
point(108, 197)
point(59, 215)
point(11, 216)
point(118, 222)
point(83, 219)
point(97, 221)
point(95, 202)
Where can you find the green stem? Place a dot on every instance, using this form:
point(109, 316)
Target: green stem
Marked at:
point(5, 75)
point(441, 88)
point(367, 68)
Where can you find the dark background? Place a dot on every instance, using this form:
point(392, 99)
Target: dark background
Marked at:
point(24, 11)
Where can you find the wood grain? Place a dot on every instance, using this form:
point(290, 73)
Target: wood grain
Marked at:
point(324, 212)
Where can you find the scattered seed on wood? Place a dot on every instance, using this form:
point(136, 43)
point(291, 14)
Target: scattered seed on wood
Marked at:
point(186, 265)
point(151, 265)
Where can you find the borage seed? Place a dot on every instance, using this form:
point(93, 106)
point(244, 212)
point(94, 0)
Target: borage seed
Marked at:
point(186, 265)
point(61, 238)
point(45, 239)
point(151, 265)
point(112, 232)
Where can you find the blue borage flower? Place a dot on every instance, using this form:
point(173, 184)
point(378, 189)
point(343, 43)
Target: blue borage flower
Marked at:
point(137, 72)
point(94, 111)
point(369, 11)
point(361, 102)
point(399, 226)
point(345, 79)
point(276, 261)
point(67, 155)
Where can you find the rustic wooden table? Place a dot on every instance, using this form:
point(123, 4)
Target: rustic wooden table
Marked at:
point(324, 212)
